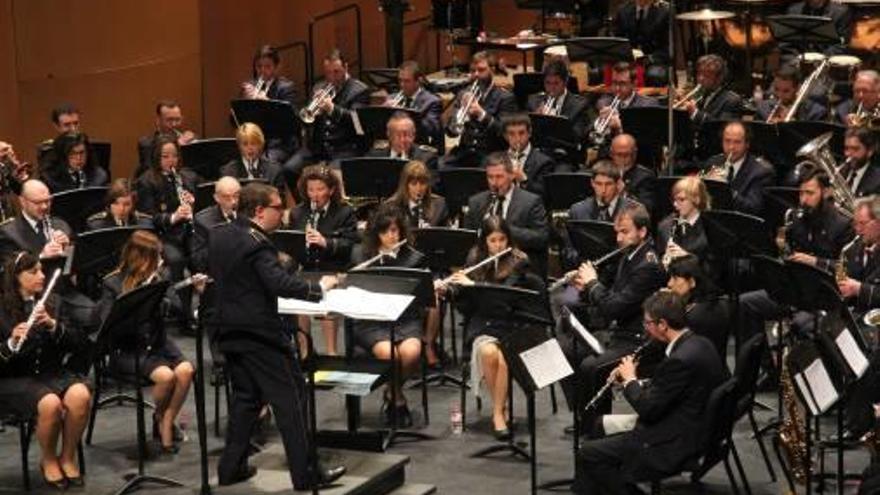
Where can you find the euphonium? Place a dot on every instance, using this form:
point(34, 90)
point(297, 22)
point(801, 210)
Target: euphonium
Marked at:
point(792, 432)
point(818, 151)
point(308, 113)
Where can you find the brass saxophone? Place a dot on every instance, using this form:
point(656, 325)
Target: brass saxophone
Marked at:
point(792, 431)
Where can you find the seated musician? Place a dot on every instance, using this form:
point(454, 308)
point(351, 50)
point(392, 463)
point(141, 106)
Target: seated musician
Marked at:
point(747, 174)
point(523, 211)
point(35, 380)
point(669, 408)
point(119, 209)
point(331, 231)
point(480, 123)
point(623, 89)
point(333, 135)
point(530, 164)
point(786, 83)
point(34, 230)
point(613, 310)
point(682, 232)
point(707, 310)
point(414, 96)
point(861, 171)
point(169, 122)
point(815, 234)
point(269, 84)
point(864, 106)
point(252, 163)
point(74, 166)
point(414, 197)
point(840, 16)
point(645, 23)
point(487, 362)
point(713, 101)
point(557, 100)
point(16, 173)
point(227, 191)
point(164, 364)
point(386, 229)
point(65, 119)
point(402, 143)
point(639, 181)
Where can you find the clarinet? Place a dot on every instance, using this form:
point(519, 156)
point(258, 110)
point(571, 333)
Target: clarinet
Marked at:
point(492, 205)
point(312, 224)
point(181, 192)
point(613, 377)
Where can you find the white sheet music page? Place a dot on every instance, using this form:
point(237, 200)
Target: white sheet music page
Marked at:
point(821, 385)
point(365, 305)
point(585, 335)
point(546, 363)
point(805, 392)
point(851, 351)
point(299, 307)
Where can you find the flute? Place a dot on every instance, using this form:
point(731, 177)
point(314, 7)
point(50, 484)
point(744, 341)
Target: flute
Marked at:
point(192, 279)
point(16, 346)
point(613, 377)
point(479, 265)
point(569, 276)
point(376, 258)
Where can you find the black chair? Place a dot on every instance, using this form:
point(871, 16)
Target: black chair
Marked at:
point(26, 426)
point(747, 371)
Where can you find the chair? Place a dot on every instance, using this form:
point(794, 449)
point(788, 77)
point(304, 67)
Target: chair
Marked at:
point(26, 426)
point(748, 366)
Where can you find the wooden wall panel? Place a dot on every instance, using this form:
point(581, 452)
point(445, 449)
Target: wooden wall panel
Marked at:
point(9, 128)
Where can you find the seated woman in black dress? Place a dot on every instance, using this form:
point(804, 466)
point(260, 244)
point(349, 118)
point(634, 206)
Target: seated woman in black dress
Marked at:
point(708, 311)
point(487, 361)
point(74, 166)
point(164, 365)
point(386, 229)
point(422, 209)
point(33, 379)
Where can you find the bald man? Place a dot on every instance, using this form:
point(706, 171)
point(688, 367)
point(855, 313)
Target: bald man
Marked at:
point(226, 193)
point(29, 230)
point(639, 181)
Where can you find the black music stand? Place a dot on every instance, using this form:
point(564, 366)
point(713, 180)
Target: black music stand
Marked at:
point(446, 248)
point(720, 192)
point(459, 184)
point(97, 251)
point(591, 238)
point(528, 313)
point(374, 119)
point(555, 134)
point(793, 135)
point(101, 150)
point(779, 200)
point(292, 243)
point(371, 177)
point(598, 50)
point(200, 405)
point(651, 125)
point(277, 119)
point(204, 193)
point(568, 188)
point(398, 280)
point(803, 30)
point(206, 156)
point(75, 206)
point(123, 329)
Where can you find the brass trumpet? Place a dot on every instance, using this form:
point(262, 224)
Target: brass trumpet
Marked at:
point(308, 113)
point(473, 94)
point(602, 125)
point(396, 100)
point(695, 94)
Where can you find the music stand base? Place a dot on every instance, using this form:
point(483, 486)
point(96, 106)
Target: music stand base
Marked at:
point(561, 485)
point(136, 480)
point(121, 400)
point(511, 448)
point(442, 379)
point(406, 436)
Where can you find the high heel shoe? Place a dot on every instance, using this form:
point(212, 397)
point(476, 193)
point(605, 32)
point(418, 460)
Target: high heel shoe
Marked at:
point(74, 481)
point(57, 485)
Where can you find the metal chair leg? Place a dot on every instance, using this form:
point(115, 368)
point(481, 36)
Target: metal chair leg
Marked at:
point(760, 439)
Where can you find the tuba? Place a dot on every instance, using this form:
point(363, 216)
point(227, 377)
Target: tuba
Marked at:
point(818, 151)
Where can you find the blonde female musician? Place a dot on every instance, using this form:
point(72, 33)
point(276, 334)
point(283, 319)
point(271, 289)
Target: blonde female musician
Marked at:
point(487, 361)
point(682, 232)
point(386, 229)
point(164, 364)
point(34, 379)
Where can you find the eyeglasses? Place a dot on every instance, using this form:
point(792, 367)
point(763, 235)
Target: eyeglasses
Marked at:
point(646, 323)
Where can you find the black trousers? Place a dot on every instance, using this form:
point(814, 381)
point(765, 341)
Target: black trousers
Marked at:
point(274, 377)
point(600, 465)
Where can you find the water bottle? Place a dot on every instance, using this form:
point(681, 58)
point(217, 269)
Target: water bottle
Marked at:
point(455, 419)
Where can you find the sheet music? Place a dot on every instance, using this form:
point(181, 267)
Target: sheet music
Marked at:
point(820, 383)
point(299, 307)
point(356, 122)
point(585, 335)
point(851, 351)
point(347, 382)
point(546, 363)
point(352, 302)
point(805, 392)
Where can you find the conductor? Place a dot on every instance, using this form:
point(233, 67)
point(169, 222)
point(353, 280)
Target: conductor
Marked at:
point(248, 279)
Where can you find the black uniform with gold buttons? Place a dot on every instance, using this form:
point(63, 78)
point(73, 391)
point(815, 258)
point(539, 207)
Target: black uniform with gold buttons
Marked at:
point(105, 220)
point(822, 233)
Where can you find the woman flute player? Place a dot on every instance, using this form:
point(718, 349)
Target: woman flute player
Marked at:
point(34, 379)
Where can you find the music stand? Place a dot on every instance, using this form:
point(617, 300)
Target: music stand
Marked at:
point(651, 125)
point(374, 119)
point(553, 132)
point(371, 177)
point(97, 251)
point(598, 50)
point(277, 119)
point(779, 200)
point(292, 243)
point(123, 328)
point(75, 206)
point(591, 238)
point(803, 30)
point(459, 184)
point(568, 188)
point(720, 192)
point(793, 135)
point(101, 150)
point(206, 156)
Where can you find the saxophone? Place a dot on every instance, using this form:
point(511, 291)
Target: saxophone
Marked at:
point(792, 432)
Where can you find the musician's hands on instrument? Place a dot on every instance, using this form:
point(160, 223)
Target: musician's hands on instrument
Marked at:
point(691, 107)
point(674, 251)
point(626, 370)
point(183, 213)
point(519, 174)
point(804, 258)
point(314, 237)
point(61, 238)
point(185, 137)
point(459, 278)
point(326, 106)
point(42, 318)
point(52, 249)
point(248, 90)
point(586, 274)
point(328, 282)
point(19, 332)
point(200, 280)
point(476, 111)
point(849, 287)
point(440, 287)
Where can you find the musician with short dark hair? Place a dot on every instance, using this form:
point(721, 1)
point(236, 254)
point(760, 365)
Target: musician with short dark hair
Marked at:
point(530, 164)
point(713, 101)
point(66, 118)
point(414, 96)
point(75, 166)
point(624, 91)
point(557, 100)
point(861, 169)
point(747, 174)
point(169, 122)
point(119, 209)
point(786, 84)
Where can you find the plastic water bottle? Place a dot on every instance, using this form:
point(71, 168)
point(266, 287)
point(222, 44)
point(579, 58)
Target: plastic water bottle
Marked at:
point(455, 419)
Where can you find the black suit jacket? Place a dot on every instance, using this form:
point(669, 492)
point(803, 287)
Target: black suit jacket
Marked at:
point(525, 216)
point(434, 212)
point(335, 132)
point(44, 352)
point(423, 154)
point(651, 35)
point(719, 105)
point(639, 274)
point(822, 234)
point(808, 110)
point(586, 209)
point(205, 221)
point(486, 135)
point(870, 182)
point(266, 169)
point(671, 405)
point(16, 235)
point(145, 152)
point(537, 165)
point(338, 226)
point(711, 317)
point(691, 238)
point(61, 180)
point(748, 185)
point(104, 220)
point(281, 89)
point(429, 127)
point(640, 184)
point(574, 107)
point(160, 199)
point(863, 265)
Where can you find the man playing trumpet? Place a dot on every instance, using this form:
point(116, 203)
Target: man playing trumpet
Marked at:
point(557, 100)
point(786, 83)
point(413, 96)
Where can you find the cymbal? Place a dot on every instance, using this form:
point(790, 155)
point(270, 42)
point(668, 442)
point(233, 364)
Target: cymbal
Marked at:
point(863, 3)
point(705, 15)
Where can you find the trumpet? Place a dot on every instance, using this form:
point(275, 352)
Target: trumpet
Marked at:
point(569, 276)
point(695, 94)
point(872, 318)
point(552, 106)
point(367, 263)
point(16, 346)
point(718, 172)
point(612, 378)
point(471, 269)
point(396, 100)
point(308, 113)
point(601, 126)
point(461, 117)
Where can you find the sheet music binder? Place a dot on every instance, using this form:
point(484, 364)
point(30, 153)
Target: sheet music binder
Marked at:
point(817, 388)
point(843, 344)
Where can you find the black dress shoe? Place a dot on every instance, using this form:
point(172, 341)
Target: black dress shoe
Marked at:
point(59, 485)
point(404, 418)
point(503, 434)
point(242, 475)
point(325, 477)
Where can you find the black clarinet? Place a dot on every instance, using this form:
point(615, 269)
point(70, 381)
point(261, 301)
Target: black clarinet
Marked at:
point(612, 378)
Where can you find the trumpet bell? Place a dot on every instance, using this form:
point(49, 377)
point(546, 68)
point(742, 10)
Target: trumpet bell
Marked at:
point(872, 318)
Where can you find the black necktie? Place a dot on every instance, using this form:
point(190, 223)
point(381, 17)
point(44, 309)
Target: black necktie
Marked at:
point(730, 174)
point(604, 213)
point(407, 102)
point(499, 206)
point(640, 14)
point(41, 231)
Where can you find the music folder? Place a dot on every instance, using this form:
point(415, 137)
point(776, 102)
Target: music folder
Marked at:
point(843, 344)
point(581, 332)
point(814, 385)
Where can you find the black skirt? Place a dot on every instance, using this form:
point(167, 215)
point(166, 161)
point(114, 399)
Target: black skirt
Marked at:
point(20, 395)
point(369, 333)
point(166, 355)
